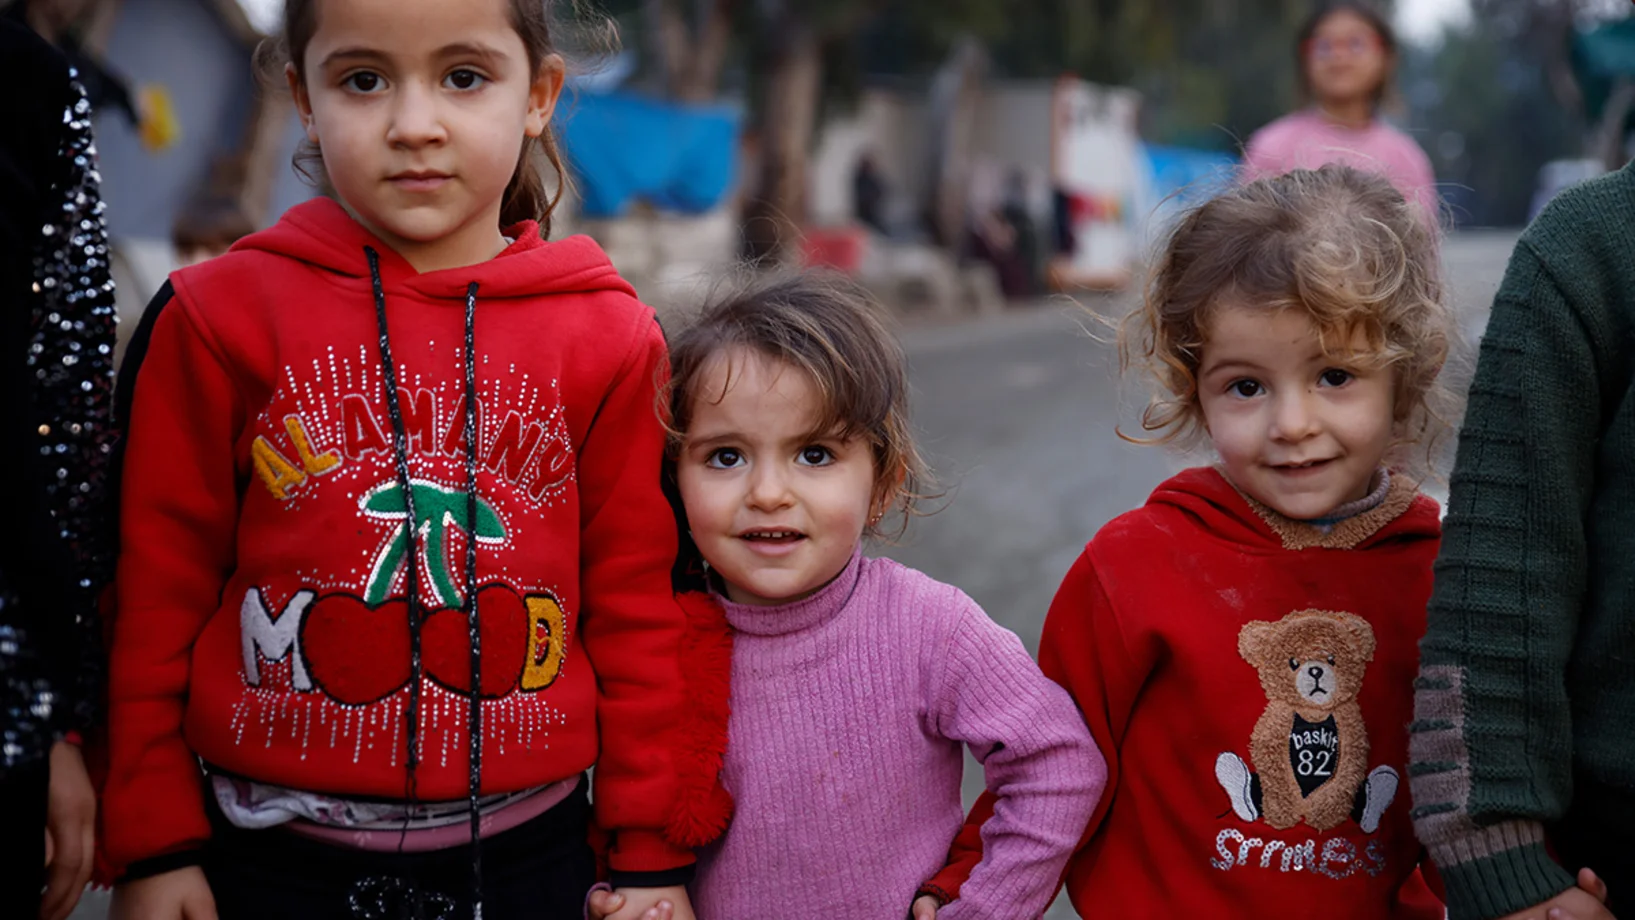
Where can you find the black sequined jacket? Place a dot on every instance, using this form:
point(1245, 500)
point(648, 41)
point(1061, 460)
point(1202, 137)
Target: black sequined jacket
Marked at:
point(57, 323)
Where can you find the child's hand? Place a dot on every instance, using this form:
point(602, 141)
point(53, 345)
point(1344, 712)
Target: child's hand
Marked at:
point(70, 832)
point(649, 904)
point(925, 908)
point(1586, 902)
point(604, 904)
point(181, 894)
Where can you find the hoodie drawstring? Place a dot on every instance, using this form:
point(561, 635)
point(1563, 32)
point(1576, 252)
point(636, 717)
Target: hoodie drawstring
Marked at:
point(468, 603)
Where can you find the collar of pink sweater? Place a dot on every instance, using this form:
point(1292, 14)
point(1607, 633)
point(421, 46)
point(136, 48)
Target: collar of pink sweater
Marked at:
point(797, 616)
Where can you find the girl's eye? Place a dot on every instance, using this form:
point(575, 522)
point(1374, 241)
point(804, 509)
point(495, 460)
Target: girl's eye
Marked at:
point(815, 456)
point(1246, 388)
point(465, 79)
point(1335, 377)
point(724, 459)
point(363, 82)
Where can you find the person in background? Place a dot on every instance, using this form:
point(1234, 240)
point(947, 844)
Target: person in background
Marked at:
point(1347, 56)
point(57, 324)
point(1524, 764)
point(869, 193)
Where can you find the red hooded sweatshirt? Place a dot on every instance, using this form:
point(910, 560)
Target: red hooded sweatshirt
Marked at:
point(1251, 681)
point(262, 623)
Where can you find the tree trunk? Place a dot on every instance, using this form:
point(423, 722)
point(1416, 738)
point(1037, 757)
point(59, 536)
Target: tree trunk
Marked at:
point(791, 76)
point(712, 36)
point(952, 104)
point(690, 56)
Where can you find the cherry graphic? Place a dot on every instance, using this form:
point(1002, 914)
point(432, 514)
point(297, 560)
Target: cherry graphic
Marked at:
point(446, 643)
point(356, 654)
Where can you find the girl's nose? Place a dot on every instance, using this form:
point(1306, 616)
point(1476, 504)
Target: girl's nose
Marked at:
point(1294, 417)
point(768, 488)
point(415, 118)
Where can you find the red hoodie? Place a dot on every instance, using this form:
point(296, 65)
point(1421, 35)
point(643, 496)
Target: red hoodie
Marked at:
point(1251, 680)
point(262, 625)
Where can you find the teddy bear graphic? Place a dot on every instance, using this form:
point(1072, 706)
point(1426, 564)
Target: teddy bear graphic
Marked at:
point(1310, 746)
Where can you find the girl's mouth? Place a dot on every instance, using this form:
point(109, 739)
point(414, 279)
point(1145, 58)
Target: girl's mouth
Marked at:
point(771, 537)
point(1298, 468)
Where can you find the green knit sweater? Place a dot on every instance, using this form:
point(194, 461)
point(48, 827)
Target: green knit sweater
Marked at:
point(1525, 710)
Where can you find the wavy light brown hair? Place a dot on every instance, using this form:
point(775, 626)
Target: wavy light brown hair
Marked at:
point(1340, 245)
point(528, 196)
point(832, 331)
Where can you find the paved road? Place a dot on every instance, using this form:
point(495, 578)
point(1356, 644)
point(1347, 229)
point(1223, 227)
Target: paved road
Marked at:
point(1018, 415)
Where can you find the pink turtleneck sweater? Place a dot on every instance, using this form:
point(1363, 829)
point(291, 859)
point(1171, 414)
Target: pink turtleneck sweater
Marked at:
point(848, 712)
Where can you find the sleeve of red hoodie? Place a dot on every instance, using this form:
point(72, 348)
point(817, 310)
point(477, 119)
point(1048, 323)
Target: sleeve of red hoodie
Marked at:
point(630, 621)
point(179, 513)
point(1083, 649)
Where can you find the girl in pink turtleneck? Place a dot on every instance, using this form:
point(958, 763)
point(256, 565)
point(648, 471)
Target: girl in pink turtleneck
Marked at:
point(856, 682)
point(1347, 55)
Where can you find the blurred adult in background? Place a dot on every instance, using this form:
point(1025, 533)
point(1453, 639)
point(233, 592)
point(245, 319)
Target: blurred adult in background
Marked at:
point(869, 193)
point(56, 21)
point(1025, 235)
point(56, 382)
point(1347, 55)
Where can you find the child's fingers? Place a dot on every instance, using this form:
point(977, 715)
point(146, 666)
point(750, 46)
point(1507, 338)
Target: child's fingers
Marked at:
point(1592, 883)
point(604, 904)
point(925, 908)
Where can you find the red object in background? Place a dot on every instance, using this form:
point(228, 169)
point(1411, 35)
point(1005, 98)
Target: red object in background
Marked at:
point(839, 248)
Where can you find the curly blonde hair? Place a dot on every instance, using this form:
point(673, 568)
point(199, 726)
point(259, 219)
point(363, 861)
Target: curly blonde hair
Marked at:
point(1341, 245)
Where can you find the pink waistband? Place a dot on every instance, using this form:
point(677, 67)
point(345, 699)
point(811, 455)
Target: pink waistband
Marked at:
point(446, 836)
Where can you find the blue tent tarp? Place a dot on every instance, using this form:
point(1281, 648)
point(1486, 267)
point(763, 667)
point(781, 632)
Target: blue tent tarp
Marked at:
point(621, 147)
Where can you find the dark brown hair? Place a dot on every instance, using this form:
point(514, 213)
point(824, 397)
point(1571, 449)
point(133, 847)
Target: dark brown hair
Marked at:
point(832, 331)
point(1340, 245)
point(526, 196)
point(1366, 12)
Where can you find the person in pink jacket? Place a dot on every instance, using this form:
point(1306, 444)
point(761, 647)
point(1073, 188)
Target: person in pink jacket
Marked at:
point(1347, 55)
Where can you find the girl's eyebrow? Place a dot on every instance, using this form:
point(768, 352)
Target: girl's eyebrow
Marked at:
point(488, 54)
point(714, 439)
point(361, 54)
point(1231, 364)
point(354, 54)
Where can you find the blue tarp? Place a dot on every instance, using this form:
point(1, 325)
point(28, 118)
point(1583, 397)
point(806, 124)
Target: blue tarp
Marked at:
point(621, 147)
point(1191, 176)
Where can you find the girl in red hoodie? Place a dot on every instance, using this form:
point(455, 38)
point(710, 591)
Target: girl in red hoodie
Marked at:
point(1244, 646)
point(396, 563)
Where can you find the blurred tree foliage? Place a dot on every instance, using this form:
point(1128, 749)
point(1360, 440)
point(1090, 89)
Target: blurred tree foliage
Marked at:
point(1497, 99)
point(1493, 103)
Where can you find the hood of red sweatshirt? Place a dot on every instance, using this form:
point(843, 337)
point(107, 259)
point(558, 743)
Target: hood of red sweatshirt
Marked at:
point(320, 232)
point(1225, 512)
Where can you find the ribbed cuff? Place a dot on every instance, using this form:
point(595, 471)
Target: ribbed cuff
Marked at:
point(665, 878)
point(931, 890)
point(1502, 882)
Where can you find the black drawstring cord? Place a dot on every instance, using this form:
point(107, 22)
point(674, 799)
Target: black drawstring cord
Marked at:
point(474, 736)
point(400, 454)
point(400, 444)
